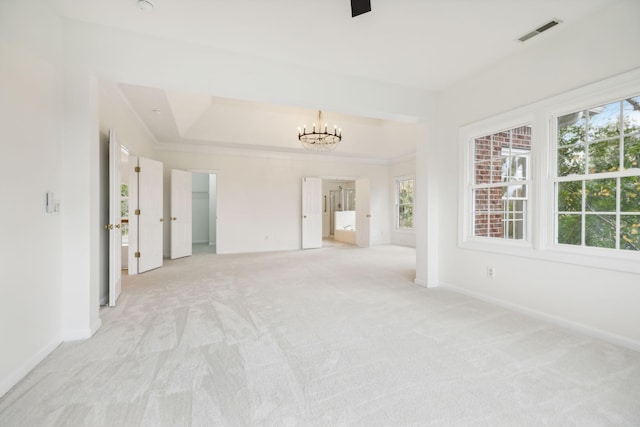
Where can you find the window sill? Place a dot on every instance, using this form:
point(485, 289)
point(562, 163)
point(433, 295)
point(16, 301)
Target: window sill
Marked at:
point(627, 262)
point(405, 230)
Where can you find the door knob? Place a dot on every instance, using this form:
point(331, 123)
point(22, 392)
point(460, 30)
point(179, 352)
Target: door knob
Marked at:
point(118, 226)
point(174, 219)
point(368, 216)
point(108, 227)
point(161, 219)
point(305, 216)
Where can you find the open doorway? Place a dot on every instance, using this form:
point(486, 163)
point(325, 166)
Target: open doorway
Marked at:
point(339, 212)
point(204, 213)
point(124, 208)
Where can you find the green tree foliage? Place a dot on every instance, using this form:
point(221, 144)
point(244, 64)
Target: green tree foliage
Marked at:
point(124, 207)
point(405, 204)
point(589, 143)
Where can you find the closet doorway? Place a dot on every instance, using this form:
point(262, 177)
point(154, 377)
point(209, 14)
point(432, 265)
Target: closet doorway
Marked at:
point(204, 213)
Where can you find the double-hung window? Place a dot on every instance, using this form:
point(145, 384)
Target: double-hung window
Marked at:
point(500, 183)
point(404, 203)
point(558, 179)
point(597, 179)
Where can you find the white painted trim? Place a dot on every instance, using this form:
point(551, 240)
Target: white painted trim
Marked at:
point(402, 159)
point(262, 152)
point(17, 375)
point(95, 325)
point(81, 334)
point(407, 231)
point(76, 335)
point(550, 318)
point(540, 234)
point(420, 282)
point(510, 120)
point(426, 283)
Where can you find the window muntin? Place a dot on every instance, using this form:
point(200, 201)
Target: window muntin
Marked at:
point(597, 184)
point(404, 203)
point(499, 192)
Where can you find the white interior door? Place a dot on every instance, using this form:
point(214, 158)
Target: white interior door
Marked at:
point(115, 228)
point(145, 187)
point(311, 213)
point(181, 215)
point(363, 214)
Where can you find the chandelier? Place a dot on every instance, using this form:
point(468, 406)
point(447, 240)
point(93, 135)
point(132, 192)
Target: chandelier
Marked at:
point(319, 139)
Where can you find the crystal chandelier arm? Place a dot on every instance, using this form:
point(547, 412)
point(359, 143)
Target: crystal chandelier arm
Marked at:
point(319, 139)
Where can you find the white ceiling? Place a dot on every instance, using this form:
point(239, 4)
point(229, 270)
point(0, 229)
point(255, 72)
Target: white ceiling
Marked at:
point(178, 118)
point(423, 44)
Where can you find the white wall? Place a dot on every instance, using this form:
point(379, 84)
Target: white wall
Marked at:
point(397, 170)
point(30, 247)
point(259, 198)
point(603, 301)
point(115, 112)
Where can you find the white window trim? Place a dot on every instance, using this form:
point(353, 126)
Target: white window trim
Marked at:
point(542, 115)
point(396, 198)
point(468, 134)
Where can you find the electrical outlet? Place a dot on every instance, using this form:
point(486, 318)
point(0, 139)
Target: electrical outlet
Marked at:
point(491, 272)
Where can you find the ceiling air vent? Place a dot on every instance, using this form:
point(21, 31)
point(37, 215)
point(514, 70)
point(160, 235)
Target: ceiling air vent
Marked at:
point(540, 29)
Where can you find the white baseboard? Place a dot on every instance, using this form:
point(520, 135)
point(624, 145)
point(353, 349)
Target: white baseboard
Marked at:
point(556, 320)
point(95, 325)
point(420, 282)
point(7, 384)
point(425, 283)
point(82, 334)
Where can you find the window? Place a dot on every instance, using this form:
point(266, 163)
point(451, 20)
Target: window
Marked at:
point(597, 180)
point(561, 183)
point(500, 187)
point(124, 212)
point(404, 203)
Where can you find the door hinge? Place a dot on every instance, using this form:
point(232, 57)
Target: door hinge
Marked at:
point(137, 212)
point(137, 169)
point(137, 254)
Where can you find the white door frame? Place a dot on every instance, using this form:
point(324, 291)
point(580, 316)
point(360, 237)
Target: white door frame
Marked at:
point(114, 226)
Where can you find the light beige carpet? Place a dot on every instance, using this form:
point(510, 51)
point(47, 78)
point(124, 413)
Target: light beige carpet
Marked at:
point(332, 337)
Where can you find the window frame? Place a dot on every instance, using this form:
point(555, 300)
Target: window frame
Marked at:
point(615, 259)
point(475, 186)
point(396, 192)
point(542, 115)
point(468, 135)
point(589, 176)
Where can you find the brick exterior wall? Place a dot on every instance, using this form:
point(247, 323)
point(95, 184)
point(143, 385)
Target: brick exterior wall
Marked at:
point(488, 169)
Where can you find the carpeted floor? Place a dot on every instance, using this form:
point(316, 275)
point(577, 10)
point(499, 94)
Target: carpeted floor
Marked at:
point(338, 336)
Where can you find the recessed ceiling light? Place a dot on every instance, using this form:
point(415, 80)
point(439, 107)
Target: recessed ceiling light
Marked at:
point(145, 5)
